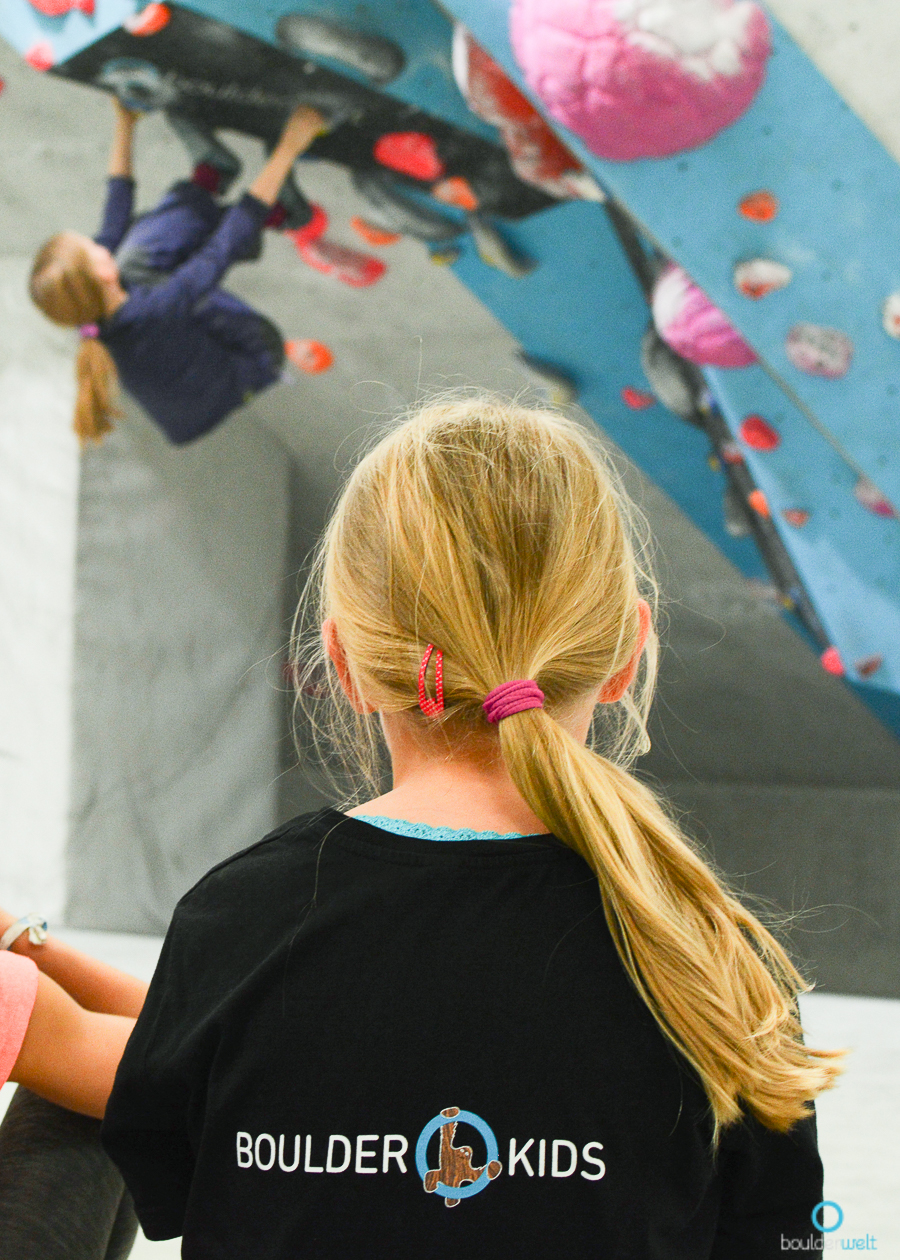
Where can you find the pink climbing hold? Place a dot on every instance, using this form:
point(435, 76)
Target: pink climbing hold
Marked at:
point(819, 351)
point(637, 399)
point(797, 517)
point(868, 495)
point(410, 153)
point(41, 56)
point(758, 434)
point(832, 663)
point(59, 8)
point(690, 325)
point(642, 78)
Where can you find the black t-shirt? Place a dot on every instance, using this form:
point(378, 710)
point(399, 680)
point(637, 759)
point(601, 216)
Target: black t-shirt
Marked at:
point(359, 1044)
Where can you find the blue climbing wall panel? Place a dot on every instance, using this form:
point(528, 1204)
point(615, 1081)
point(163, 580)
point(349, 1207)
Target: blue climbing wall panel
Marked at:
point(582, 310)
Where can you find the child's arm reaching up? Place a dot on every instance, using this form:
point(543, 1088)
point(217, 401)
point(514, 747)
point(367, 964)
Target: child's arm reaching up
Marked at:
point(240, 225)
point(120, 194)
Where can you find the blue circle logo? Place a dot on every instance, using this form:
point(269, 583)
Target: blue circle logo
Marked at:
point(818, 1214)
point(456, 1161)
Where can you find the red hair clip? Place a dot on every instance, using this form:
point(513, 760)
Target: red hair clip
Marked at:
point(428, 706)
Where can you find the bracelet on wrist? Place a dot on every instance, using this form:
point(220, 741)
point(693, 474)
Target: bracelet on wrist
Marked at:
point(34, 924)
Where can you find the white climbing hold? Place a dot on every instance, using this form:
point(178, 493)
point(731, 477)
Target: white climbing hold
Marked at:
point(890, 315)
point(819, 351)
point(761, 276)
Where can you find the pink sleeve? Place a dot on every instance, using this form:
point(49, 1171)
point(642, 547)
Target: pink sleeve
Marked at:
point(18, 989)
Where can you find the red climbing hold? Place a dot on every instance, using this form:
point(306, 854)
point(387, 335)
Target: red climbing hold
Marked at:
point(759, 503)
point(59, 8)
point(41, 56)
point(456, 191)
point(832, 663)
point(411, 153)
point(637, 399)
point(731, 453)
point(871, 498)
point(309, 356)
point(538, 155)
point(149, 20)
point(868, 666)
point(758, 434)
point(761, 206)
point(372, 234)
point(796, 517)
point(347, 265)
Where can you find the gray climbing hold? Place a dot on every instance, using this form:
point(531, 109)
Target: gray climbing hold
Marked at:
point(392, 208)
point(495, 251)
point(558, 386)
point(138, 84)
point(677, 384)
point(734, 510)
point(379, 59)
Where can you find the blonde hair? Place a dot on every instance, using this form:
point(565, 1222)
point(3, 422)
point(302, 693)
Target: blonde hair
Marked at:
point(499, 534)
point(64, 286)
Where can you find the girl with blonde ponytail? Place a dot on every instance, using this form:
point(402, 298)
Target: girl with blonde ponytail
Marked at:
point(510, 975)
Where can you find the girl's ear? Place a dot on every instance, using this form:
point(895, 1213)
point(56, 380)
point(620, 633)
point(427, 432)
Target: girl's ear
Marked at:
point(335, 650)
point(614, 688)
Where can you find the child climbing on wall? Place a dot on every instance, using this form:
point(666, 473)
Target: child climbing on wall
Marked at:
point(145, 292)
point(510, 976)
point(64, 1021)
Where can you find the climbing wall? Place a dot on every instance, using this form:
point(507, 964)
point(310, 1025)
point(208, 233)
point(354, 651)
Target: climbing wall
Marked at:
point(568, 243)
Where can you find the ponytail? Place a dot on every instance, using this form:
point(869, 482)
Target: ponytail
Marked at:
point(499, 534)
point(721, 988)
point(63, 285)
point(95, 381)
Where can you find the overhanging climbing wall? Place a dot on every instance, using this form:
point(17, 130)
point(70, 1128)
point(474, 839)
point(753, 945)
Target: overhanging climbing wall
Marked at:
point(802, 440)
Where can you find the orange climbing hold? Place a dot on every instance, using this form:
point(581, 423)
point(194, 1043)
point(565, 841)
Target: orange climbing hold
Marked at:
point(868, 666)
point(637, 399)
point(309, 356)
point(758, 434)
point(796, 517)
point(759, 503)
point(149, 20)
point(761, 207)
point(41, 56)
point(373, 235)
point(832, 663)
point(456, 191)
point(410, 153)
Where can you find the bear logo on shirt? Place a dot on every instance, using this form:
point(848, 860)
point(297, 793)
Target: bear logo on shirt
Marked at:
point(455, 1168)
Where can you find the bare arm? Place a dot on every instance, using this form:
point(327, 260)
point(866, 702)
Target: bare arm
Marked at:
point(94, 985)
point(300, 130)
point(70, 1055)
point(120, 153)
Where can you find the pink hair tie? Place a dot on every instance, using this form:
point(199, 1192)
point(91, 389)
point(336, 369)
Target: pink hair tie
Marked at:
point(512, 697)
point(89, 331)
